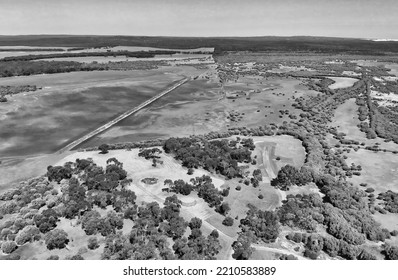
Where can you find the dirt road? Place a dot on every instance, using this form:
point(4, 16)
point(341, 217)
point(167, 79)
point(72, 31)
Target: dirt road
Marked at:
point(104, 127)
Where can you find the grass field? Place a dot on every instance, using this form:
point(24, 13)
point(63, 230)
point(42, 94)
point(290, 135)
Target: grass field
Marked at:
point(182, 112)
point(379, 170)
point(200, 106)
point(69, 105)
point(340, 82)
point(346, 121)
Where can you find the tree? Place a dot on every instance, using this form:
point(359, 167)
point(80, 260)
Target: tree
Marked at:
point(257, 174)
point(242, 247)
point(8, 247)
point(103, 148)
point(91, 222)
point(46, 221)
point(176, 227)
point(288, 257)
point(365, 255)
point(391, 252)
point(195, 223)
point(224, 208)
point(57, 173)
point(212, 246)
point(56, 239)
point(263, 224)
point(77, 258)
point(214, 233)
point(228, 221)
point(28, 234)
point(171, 207)
point(195, 233)
point(116, 169)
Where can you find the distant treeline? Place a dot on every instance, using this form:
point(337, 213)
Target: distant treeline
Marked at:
point(26, 68)
point(221, 44)
point(10, 90)
point(140, 54)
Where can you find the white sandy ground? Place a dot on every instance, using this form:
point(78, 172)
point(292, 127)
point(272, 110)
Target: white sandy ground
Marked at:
point(384, 99)
point(341, 82)
point(351, 73)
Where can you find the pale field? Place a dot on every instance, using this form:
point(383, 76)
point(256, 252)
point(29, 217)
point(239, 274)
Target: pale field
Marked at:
point(341, 82)
point(384, 99)
point(285, 69)
point(106, 59)
point(49, 118)
point(20, 53)
point(379, 169)
point(346, 120)
point(4, 54)
point(71, 104)
point(351, 73)
point(19, 169)
point(374, 63)
point(200, 106)
point(31, 47)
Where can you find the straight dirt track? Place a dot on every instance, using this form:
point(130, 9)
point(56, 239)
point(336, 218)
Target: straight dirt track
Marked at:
point(104, 127)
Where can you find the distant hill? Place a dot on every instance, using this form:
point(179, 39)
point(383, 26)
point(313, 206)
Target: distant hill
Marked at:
point(221, 44)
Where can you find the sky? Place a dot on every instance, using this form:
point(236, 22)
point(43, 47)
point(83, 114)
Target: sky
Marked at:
point(334, 18)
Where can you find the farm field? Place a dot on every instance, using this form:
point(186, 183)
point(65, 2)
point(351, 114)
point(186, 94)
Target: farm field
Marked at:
point(379, 169)
point(346, 121)
point(201, 106)
point(342, 82)
point(55, 114)
point(62, 111)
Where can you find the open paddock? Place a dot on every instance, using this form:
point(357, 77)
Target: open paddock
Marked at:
point(379, 169)
point(340, 82)
point(71, 104)
point(346, 120)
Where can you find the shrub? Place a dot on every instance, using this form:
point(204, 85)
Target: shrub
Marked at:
point(311, 254)
point(93, 243)
point(103, 148)
point(13, 257)
point(8, 247)
point(56, 239)
point(391, 252)
point(77, 258)
point(195, 223)
point(394, 232)
point(228, 221)
point(28, 234)
point(287, 257)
